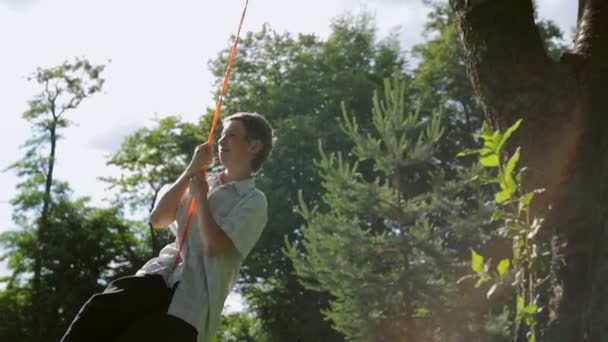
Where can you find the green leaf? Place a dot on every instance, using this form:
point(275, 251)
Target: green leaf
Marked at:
point(486, 131)
point(508, 134)
point(476, 262)
point(513, 162)
point(491, 138)
point(493, 142)
point(527, 198)
point(482, 280)
point(521, 304)
point(422, 313)
point(484, 151)
point(500, 214)
point(487, 180)
point(503, 196)
point(490, 160)
point(503, 267)
point(532, 309)
point(508, 176)
point(467, 153)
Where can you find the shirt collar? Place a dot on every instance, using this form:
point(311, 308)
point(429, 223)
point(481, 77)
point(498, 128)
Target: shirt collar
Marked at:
point(242, 186)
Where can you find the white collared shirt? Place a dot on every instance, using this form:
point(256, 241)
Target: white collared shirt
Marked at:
point(240, 209)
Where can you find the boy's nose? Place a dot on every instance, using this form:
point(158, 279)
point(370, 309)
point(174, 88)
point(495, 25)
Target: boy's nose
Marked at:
point(221, 143)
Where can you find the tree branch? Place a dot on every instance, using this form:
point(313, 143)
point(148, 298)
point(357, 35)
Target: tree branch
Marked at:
point(50, 98)
point(74, 102)
point(581, 4)
point(506, 59)
point(592, 34)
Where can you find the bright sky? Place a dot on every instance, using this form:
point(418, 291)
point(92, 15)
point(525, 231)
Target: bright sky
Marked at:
point(159, 52)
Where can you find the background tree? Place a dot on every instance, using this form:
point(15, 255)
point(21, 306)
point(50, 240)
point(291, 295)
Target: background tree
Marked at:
point(149, 159)
point(440, 80)
point(64, 88)
point(54, 258)
point(87, 248)
point(388, 247)
point(240, 327)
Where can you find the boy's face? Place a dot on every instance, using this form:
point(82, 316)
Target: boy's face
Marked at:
point(234, 149)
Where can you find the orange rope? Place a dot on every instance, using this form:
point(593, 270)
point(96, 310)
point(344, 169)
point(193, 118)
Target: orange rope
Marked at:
point(216, 119)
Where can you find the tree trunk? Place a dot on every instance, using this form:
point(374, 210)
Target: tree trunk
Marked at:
point(153, 242)
point(565, 111)
point(39, 313)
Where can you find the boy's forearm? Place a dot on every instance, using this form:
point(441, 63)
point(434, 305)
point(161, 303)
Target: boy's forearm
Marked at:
point(164, 212)
point(214, 239)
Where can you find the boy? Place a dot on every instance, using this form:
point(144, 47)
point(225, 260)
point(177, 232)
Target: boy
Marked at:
point(163, 303)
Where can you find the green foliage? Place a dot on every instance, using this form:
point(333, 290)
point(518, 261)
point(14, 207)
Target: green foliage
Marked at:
point(553, 38)
point(81, 251)
point(440, 81)
point(149, 159)
point(15, 307)
point(528, 269)
point(152, 157)
point(64, 88)
point(240, 327)
point(382, 246)
point(65, 249)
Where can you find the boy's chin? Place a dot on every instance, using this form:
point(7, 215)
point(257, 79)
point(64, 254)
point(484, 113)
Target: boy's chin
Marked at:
point(227, 163)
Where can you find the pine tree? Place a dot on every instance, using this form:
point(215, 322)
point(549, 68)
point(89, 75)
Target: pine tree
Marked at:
point(390, 249)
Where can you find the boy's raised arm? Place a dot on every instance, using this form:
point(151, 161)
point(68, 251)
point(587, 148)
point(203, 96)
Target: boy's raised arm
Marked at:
point(165, 211)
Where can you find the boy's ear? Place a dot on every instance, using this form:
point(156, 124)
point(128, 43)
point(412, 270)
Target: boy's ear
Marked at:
point(255, 146)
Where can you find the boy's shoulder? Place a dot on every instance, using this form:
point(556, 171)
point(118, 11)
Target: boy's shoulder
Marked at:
point(256, 198)
point(255, 194)
point(259, 194)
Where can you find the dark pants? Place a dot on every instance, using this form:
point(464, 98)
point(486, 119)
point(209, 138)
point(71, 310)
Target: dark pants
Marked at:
point(132, 308)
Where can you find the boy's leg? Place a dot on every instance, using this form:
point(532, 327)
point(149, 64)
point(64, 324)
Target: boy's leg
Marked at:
point(105, 315)
point(159, 327)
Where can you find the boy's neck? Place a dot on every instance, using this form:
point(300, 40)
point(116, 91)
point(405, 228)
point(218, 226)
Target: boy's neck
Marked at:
point(231, 175)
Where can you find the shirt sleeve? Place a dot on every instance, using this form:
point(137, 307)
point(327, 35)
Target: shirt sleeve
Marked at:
point(245, 222)
point(160, 264)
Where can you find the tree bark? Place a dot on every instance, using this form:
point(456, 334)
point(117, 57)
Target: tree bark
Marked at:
point(39, 317)
point(153, 242)
point(565, 111)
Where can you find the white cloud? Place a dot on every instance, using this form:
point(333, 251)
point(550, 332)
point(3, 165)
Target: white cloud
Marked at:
point(110, 141)
point(18, 4)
